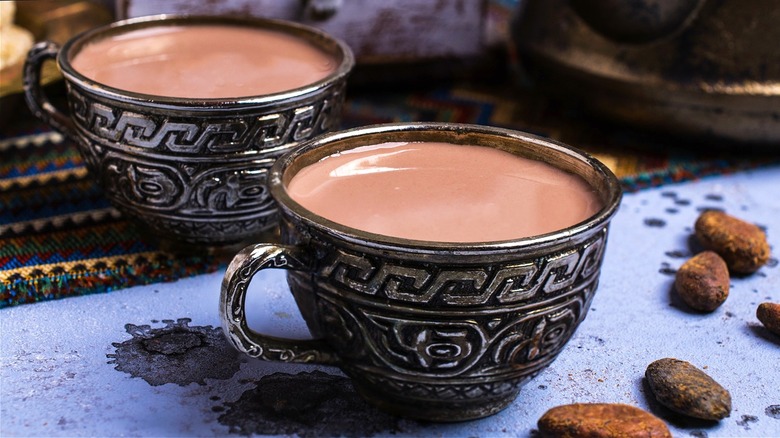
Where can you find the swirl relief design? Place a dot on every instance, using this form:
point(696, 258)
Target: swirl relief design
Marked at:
point(443, 323)
point(437, 348)
point(144, 185)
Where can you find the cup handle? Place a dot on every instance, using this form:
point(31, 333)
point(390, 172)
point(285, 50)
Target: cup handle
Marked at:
point(232, 303)
point(39, 104)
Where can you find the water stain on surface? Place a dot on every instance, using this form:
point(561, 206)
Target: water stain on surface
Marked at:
point(704, 208)
point(176, 353)
point(667, 269)
point(746, 420)
point(314, 404)
point(655, 222)
point(773, 411)
point(678, 254)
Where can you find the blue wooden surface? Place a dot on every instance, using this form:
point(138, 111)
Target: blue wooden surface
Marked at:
point(58, 360)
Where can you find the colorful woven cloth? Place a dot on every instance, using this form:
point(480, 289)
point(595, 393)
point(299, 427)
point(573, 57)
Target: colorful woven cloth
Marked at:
point(59, 236)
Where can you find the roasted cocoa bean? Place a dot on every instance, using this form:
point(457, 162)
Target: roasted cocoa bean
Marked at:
point(769, 315)
point(685, 389)
point(703, 281)
point(600, 420)
point(742, 245)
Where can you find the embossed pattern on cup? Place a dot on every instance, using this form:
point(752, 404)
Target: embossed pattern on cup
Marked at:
point(430, 330)
point(190, 170)
point(416, 336)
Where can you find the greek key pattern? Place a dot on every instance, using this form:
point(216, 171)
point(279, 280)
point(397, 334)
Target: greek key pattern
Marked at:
point(485, 345)
point(162, 169)
point(527, 281)
point(260, 130)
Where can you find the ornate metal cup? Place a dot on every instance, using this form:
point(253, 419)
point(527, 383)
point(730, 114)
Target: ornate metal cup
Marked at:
point(190, 170)
point(436, 331)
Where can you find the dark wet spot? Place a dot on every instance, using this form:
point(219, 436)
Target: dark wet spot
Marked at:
point(598, 340)
point(312, 404)
point(215, 398)
point(542, 386)
point(672, 195)
point(699, 434)
point(746, 420)
point(666, 269)
point(771, 263)
point(729, 314)
point(173, 343)
point(708, 208)
point(672, 210)
point(176, 354)
point(678, 254)
point(714, 197)
point(682, 202)
point(655, 222)
point(773, 411)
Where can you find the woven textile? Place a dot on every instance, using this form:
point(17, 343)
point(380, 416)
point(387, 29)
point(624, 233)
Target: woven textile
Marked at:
point(60, 237)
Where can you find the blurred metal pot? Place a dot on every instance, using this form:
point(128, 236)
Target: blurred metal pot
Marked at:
point(701, 68)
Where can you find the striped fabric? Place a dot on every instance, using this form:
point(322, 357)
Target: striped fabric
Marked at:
point(60, 237)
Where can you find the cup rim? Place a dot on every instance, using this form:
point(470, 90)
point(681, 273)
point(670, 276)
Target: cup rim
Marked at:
point(313, 35)
point(278, 178)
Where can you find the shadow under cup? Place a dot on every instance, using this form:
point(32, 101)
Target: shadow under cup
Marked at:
point(430, 330)
point(192, 171)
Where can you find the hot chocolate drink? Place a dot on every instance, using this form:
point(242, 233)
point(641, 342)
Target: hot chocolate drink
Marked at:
point(204, 61)
point(443, 192)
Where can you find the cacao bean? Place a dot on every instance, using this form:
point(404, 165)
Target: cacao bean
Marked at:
point(685, 389)
point(703, 281)
point(742, 245)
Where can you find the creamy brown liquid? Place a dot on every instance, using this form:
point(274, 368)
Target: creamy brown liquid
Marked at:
point(203, 61)
point(443, 192)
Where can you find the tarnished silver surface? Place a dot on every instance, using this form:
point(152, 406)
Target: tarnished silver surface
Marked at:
point(706, 69)
point(431, 330)
point(190, 170)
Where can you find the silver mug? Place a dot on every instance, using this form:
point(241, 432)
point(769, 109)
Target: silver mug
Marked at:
point(429, 330)
point(190, 170)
